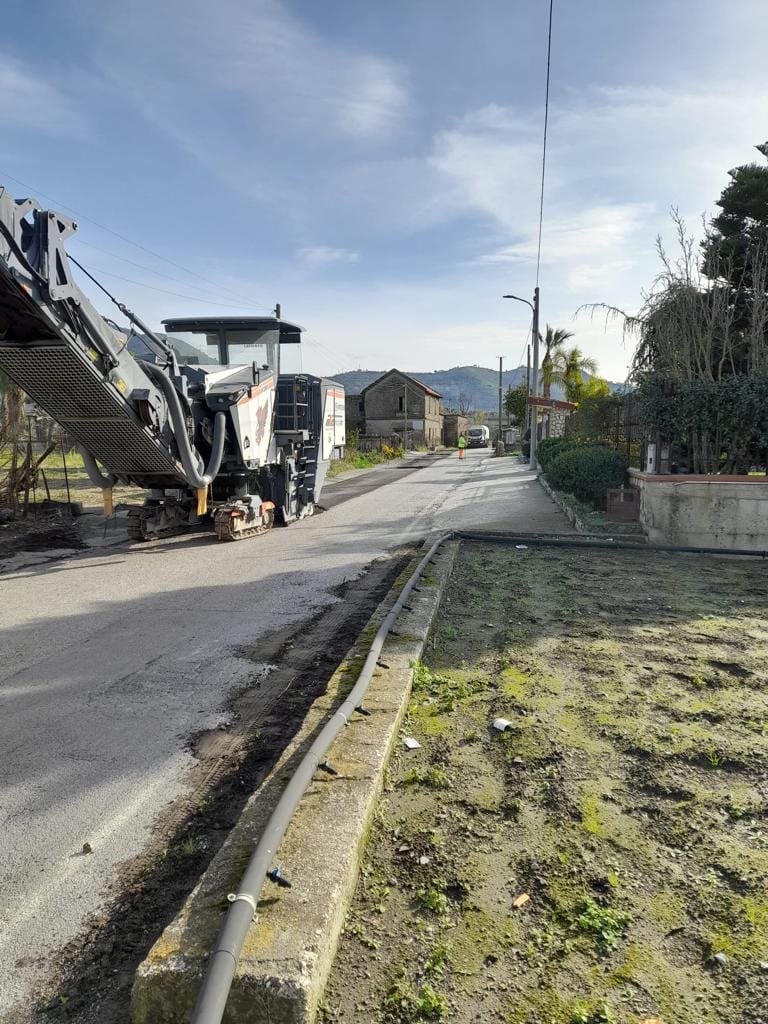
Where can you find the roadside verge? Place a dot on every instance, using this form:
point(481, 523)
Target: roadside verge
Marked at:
point(290, 947)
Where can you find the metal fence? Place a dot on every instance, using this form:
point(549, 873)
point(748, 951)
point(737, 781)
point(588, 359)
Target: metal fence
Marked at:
point(41, 470)
point(614, 422)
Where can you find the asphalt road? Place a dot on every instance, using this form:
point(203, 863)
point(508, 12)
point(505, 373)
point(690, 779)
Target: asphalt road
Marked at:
point(114, 657)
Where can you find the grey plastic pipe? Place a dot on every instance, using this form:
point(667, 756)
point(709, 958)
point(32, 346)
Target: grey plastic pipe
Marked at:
point(190, 460)
point(212, 1000)
point(97, 478)
point(557, 540)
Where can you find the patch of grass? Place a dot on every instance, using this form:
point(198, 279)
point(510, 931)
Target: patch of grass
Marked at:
point(435, 778)
point(434, 899)
point(605, 924)
point(189, 848)
point(590, 815)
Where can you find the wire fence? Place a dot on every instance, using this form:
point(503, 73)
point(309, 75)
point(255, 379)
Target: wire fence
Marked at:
point(614, 422)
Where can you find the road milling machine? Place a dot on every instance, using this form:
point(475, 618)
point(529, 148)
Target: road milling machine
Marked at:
point(199, 416)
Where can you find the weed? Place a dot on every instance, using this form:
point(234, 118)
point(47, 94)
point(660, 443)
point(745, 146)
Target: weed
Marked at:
point(714, 757)
point(433, 777)
point(431, 1004)
point(584, 1013)
point(437, 961)
point(360, 932)
point(405, 1004)
point(449, 632)
point(436, 839)
point(189, 847)
point(434, 899)
point(604, 923)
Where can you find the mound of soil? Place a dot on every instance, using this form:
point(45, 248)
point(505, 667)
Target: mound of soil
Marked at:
point(41, 533)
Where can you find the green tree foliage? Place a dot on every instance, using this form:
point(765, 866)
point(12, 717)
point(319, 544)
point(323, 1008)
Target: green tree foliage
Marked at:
point(740, 229)
point(554, 339)
point(516, 402)
point(587, 471)
point(726, 420)
point(570, 366)
point(549, 448)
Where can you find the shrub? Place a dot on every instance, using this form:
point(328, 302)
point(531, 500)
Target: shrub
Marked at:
point(550, 447)
point(587, 473)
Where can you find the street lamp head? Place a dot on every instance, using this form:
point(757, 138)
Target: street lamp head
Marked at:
point(517, 298)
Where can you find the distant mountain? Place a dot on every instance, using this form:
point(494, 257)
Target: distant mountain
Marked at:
point(479, 384)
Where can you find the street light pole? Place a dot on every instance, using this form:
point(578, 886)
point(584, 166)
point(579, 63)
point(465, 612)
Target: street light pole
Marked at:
point(535, 381)
point(533, 388)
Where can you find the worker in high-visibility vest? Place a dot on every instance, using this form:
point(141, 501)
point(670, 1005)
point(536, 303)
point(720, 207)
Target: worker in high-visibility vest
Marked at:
point(462, 445)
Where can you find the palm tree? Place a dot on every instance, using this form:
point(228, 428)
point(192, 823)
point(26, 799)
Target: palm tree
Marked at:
point(554, 339)
point(568, 369)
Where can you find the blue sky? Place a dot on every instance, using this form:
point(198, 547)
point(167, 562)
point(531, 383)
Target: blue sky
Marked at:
point(374, 167)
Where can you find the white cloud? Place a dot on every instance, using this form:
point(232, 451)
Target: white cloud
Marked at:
point(581, 235)
point(240, 86)
point(322, 255)
point(28, 101)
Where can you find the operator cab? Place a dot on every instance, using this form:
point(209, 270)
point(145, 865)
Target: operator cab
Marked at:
point(232, 341)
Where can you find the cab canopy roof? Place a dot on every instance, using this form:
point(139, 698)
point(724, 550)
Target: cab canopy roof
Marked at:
point(289, 333)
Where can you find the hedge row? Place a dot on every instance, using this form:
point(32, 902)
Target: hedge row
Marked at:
point(587, 471)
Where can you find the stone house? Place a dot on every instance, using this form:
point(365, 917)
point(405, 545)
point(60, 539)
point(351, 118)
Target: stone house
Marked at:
point(453, 425)
point(354, 411)
point(396, 403)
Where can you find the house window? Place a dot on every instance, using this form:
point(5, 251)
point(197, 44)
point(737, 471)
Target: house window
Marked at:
point(400, 404)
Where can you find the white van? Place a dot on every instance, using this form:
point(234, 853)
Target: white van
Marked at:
point(478, 437)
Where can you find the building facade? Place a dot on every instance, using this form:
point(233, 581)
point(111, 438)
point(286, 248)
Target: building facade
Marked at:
point(397, 404)
point(354, 411)
point(454, 424)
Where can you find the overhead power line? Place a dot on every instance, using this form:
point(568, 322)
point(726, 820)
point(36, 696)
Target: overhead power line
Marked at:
point(164, 291)
point(250, 302)
point(544, 148)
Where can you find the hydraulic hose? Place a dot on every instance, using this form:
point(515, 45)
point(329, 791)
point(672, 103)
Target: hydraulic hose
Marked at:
point(557, 540)
point(97, 478)
point(197, 477)
point(212, 1000)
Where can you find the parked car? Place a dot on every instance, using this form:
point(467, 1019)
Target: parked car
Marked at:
point(478, 437)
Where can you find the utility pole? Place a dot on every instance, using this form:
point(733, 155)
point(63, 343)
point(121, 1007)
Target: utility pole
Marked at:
point(535, 380)
point(405, 416)
point(501, 388)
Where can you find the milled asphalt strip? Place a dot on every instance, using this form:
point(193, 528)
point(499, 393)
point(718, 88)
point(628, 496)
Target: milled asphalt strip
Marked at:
point(290, 948)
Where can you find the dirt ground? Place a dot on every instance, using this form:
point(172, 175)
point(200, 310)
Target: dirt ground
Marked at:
point(605, 859)
point(39, 532)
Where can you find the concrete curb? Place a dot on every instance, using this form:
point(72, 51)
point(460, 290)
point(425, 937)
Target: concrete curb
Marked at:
point(290, 948)
point(578, 523)
point(572, 517)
